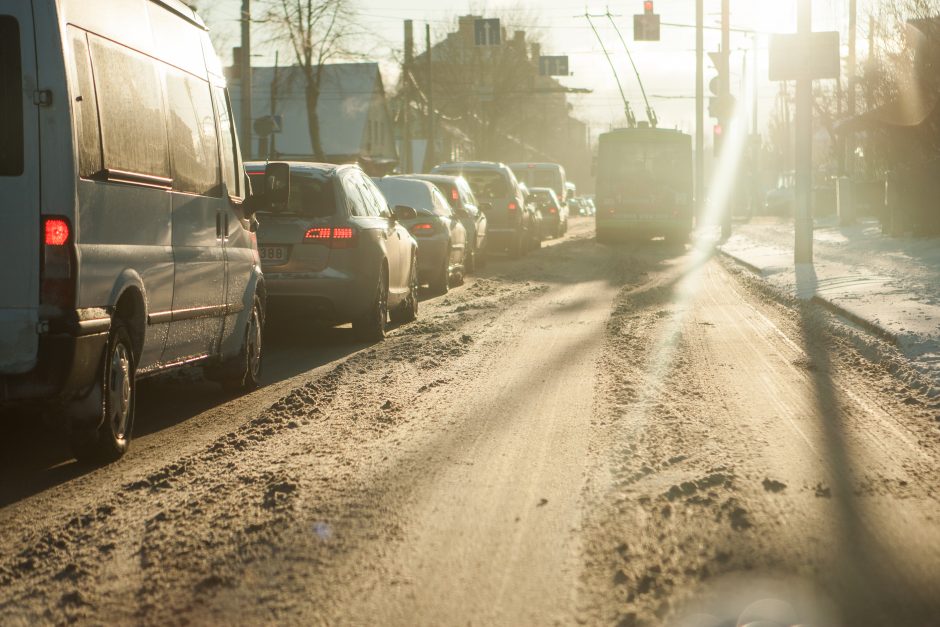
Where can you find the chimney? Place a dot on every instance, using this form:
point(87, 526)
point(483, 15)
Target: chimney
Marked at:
point(536, 52)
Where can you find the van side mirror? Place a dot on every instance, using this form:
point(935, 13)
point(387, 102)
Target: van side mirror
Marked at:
point(404, 212)
point(277, 183)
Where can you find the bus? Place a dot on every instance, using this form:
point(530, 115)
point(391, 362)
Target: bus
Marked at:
point(644, 184)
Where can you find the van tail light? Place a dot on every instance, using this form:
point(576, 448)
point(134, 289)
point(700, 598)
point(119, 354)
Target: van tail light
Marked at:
point(57, 288)
point(553, 209)
point(334, 237)
point(454, 194)
point(422, 229)
point(513, 207)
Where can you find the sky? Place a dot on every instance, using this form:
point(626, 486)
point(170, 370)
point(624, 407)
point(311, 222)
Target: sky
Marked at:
point(667, 67)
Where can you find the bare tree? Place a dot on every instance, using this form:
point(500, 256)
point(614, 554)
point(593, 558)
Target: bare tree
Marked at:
point(317, 32)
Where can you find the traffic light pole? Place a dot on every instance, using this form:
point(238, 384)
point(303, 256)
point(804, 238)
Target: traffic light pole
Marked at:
point(725, 95)
point(700, 105)
point(803, 227)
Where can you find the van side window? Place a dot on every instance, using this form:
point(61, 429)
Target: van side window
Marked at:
point(11, 99)
point(133, 120)
point(230, 172)
point(194, 150)
point(84, 106)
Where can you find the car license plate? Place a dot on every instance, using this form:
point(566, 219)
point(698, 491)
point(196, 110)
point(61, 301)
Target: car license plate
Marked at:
point(273, 254)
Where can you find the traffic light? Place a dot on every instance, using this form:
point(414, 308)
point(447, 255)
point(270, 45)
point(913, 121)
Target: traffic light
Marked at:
point(720, 106)
point(718, 139)
point(646, 24)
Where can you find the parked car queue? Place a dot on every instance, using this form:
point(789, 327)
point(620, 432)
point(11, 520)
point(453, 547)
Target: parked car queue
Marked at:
point(137, 241)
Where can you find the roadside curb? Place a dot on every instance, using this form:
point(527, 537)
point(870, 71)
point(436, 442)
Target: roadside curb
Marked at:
point(866, 325)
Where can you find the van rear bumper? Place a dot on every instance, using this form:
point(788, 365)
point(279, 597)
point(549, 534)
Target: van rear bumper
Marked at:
point(66, 368)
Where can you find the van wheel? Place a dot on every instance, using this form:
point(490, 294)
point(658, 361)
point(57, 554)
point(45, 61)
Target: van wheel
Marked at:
point(408, 312)
point(104, 438)
point(370, 327)
point(243, 373)
point(440, 284)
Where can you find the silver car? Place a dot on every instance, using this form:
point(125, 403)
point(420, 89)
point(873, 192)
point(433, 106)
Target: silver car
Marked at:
point(442, 238)
point(336, 252)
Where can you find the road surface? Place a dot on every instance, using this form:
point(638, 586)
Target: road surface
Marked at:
point(614, 435)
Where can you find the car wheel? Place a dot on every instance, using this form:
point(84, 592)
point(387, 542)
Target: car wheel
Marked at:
point(105, 436)
point(440, 284)
point(602, 237)
point(480, 258)
point(243, 373)
point(536, 240)
point(370, 326)
point(408, 312)
point(469, 260)
point(516, 246)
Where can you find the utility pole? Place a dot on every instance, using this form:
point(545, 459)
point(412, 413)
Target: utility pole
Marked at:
point(245, 72)
point(700, 105)
point(429, 158)
point(803, 224)
point(725, 95)
point(272, 149)
point(407, 152)
point(850, 137)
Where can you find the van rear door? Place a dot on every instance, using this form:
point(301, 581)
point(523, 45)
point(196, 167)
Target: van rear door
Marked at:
point(19, 190)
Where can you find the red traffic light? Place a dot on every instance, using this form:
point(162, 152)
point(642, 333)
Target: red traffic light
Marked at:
point(648, 7)
point(718, 130)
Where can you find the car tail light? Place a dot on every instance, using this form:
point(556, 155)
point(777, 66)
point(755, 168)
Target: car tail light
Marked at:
point(334, 237)
point(58, 268)
point(422, 229)
point(513, 206)
point(454, 194)
point(553, 209)
point(317, 234)
point(344, 237)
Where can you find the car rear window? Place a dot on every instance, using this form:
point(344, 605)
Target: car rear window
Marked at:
point(312, 194)
point(11, 98)
point(413, 194)
point(487, 184)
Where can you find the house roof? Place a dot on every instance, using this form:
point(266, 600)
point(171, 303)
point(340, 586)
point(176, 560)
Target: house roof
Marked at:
point(343, 107)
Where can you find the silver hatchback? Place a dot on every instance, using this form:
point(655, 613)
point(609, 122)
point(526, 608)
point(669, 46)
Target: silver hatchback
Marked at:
point(336, 252)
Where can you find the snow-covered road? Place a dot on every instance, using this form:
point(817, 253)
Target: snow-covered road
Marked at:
point(631, 435)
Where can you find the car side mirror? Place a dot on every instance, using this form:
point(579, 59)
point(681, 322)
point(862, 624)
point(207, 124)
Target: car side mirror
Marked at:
point(277, 183)
point(404, 212)
point(486, 207)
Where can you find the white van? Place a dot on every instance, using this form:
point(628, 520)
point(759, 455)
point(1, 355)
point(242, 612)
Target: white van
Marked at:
point(127, 245)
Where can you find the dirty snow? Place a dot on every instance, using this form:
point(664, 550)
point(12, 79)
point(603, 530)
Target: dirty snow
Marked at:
point(892, 283)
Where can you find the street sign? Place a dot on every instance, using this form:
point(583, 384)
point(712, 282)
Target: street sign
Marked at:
point(798, 57)
point(646, 27)
point(487, 32)
point(553, 66)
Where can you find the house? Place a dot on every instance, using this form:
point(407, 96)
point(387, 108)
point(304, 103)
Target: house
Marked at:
point(355, 122)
